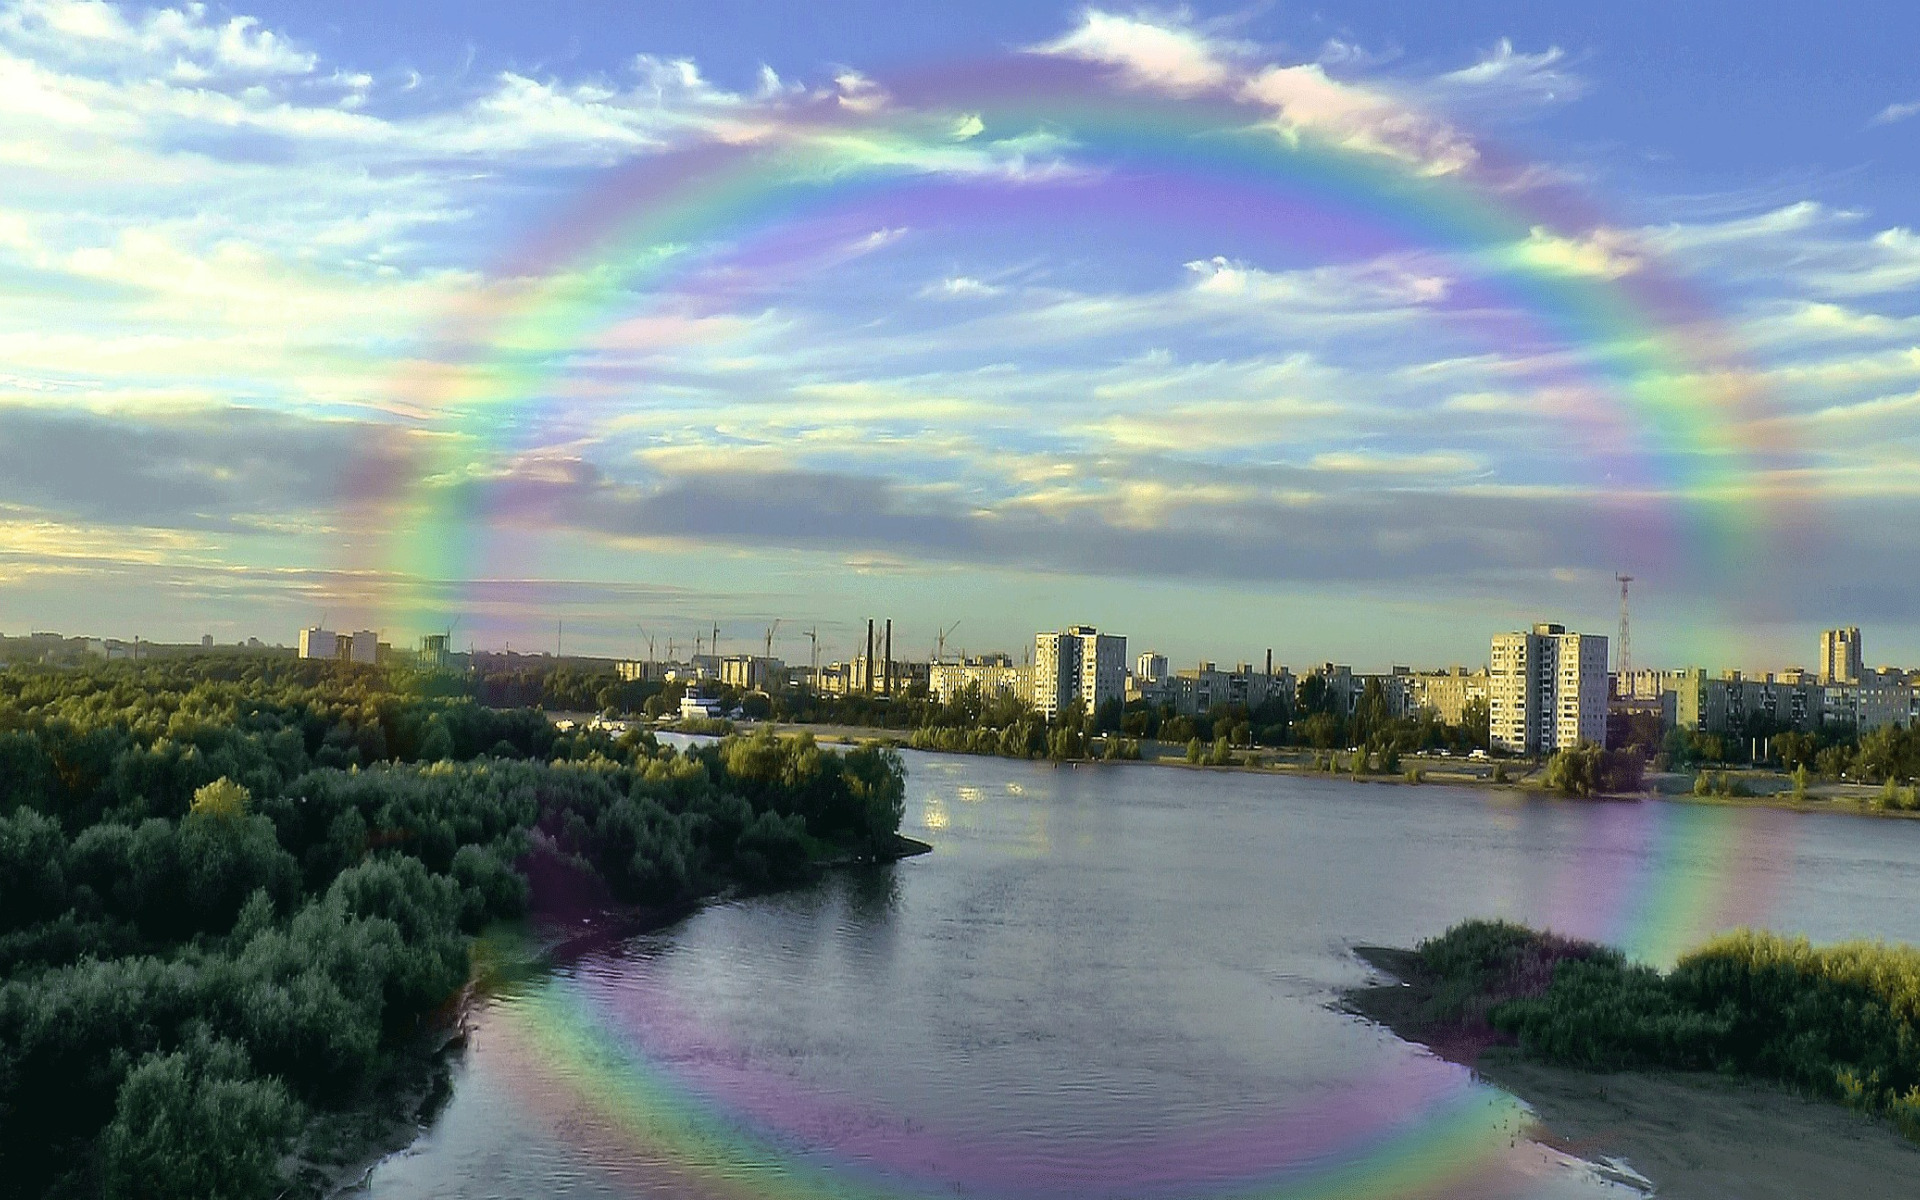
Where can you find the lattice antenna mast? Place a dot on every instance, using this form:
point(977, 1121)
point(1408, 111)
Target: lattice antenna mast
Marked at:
point(1626, 633)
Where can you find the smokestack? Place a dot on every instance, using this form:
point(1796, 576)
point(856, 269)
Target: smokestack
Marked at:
point(889, 668)
point(1269, 662)
point(869, 679)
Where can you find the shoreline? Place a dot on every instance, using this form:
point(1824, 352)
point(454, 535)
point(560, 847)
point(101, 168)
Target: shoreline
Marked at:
point(403, 1105)
point(1835, 799)
point(1693, 1135)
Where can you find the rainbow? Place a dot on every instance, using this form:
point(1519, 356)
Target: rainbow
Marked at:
point(1655, 397)
point(656, 1102)
point(1649, 386)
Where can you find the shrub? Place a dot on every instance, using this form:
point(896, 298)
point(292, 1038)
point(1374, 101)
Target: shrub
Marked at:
point(1841, 1021)
point(196, 1124)
point(1588, 770)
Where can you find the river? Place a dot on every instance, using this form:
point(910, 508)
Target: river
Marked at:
point(1106, 981)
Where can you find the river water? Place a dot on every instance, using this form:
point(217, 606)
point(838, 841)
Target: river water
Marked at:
point(1105, 981)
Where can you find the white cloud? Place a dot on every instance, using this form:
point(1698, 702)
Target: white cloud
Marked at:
point(1598, 253)
point(1432, 462)
point(1809, 246)
point(1170, 56)
point(1507, 73)
point(1387, 283)
point(1305, 101)
point(90, 30)
point(961, 286)
point(1897, 112)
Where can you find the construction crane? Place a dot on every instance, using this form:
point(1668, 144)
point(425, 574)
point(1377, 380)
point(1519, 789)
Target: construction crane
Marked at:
point(813, 656)
point(771, 630)
point(940, 654)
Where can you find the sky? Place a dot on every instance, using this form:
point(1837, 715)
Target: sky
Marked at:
point(285, 335)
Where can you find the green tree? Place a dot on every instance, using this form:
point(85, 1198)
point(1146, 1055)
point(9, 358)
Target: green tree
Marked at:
point(222, 799)
point(196, 1125)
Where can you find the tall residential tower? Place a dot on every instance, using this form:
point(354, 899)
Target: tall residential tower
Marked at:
point(1078, 669)
point(1547, 690)
point(1840, 659)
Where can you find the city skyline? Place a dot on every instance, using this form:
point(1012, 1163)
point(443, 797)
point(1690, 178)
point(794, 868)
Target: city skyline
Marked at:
point(664, 645)
point(1280, 426)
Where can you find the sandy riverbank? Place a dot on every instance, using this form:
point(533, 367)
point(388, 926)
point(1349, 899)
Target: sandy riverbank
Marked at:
point(1695, 1136)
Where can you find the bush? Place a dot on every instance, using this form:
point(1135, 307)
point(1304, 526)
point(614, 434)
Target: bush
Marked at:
point(1841, 1021)
point(197, 1124)
point(1588, 770)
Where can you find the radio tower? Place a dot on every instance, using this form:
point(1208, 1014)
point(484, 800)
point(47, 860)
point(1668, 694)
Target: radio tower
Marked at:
point(1626, 636)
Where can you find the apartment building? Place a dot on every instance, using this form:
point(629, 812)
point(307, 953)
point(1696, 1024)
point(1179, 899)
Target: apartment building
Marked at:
point(1547, 690)
point(1078, 669)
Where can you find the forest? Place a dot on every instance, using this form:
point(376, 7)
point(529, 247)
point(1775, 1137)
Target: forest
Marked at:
point(234, 891)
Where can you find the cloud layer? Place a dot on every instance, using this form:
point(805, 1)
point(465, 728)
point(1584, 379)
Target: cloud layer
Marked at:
point(202, 372)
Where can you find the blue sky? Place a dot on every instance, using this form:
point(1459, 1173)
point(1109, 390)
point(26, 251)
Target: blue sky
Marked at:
point(225, 229)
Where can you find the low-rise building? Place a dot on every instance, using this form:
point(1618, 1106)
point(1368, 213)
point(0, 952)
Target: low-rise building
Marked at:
point(1447, 693)
point(1878, 699)
point(995, 675)
point(1727, 702)
point(1205, 687)
point(752, 673)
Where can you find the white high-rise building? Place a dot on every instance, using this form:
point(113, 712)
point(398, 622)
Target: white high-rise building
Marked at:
point(1150, 667)
point(362, 646)
point(1840, 657)
point(1078, 669)
point(319, 643)
point(1547, 690)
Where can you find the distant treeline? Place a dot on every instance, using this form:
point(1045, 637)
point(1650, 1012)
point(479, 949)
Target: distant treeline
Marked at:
point(232, 892)
point(1841, 1022)
point(1315, 719)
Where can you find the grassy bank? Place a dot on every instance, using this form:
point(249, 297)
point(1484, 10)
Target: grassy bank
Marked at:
point(1841, 1022)
point(1732, 1044)
point(237, 900)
